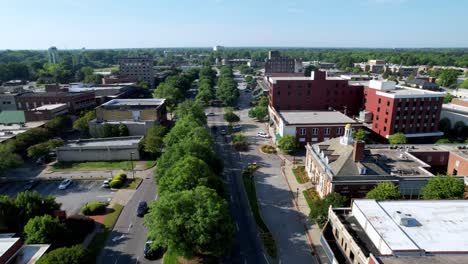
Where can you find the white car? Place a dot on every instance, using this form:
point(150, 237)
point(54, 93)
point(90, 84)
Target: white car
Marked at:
point(64, 184)
point(262, 134)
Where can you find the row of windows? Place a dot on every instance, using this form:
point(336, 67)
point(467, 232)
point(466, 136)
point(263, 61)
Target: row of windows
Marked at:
point(315, 131)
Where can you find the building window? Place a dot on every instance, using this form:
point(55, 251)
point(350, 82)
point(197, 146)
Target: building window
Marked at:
point(339, 131)
point(302, 131)
point(314, 131)
point(380, 100)
point(327, 131)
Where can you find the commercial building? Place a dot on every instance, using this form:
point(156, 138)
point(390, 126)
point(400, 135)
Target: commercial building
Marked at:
point(235, 62)
point(282, 64)
point(310, 126)
point(7, 101)
point(394, 109)
point(422, 84)
point(456, 111)
point(76, 102)
point(100, 149)
point(104, 93)
point(138, 67)
point(397, 232)
point(138, 115)
point(10, 130)
point(373, 66)
point(404, 70)
point(14, 251)
point(46, 112)
point(316, 92)
point(353, 168)
point(355, 77)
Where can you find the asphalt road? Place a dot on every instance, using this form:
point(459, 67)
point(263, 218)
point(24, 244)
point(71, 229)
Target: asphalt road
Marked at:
point(127, 240)
point(72, 199)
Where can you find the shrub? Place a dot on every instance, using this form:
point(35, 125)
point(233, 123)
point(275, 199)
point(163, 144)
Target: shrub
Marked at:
point(240, 146)
point(79, 226)
point(115, 184)
point(121, 177)
point(94, 208)
point(268, 149)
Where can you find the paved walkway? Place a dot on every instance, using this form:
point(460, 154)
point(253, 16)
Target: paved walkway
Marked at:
point(313, 230)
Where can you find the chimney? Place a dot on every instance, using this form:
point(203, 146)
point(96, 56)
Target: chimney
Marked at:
point(358, 151)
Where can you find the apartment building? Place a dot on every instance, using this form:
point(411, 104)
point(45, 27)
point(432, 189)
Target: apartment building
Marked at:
point(138, 67)
point(397, 232)
point(394, 109)
point(316, 92)
point(282, 64)
point(138, 115)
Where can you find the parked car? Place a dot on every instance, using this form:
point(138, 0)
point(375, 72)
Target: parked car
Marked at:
point(30, 185)
point(223, 132)
point(152, 253)
point(236, 128)
point(211, 114)
point(262, 134)
point(142, 209)
point(105, 185)
point(64, 184)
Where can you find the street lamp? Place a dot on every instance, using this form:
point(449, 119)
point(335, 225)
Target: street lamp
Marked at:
point(131, 161)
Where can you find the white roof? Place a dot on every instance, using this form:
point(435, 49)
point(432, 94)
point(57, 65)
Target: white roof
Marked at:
point(292, 117)
point(6, 243)
point(441, 226)
point(49, 107)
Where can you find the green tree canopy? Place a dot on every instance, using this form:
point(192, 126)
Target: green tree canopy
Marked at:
point(59, 124)
point(190, 109)
point(123, 130)
point(8, 158)
point(448, 98)
point(360, 135)
point(397, 138)
point(191, 222)
point(384, 191)
point(66, 255)
point(319, 208)
point(31, 204)
point(464, 84)
point(445, 125)
point(443, 187)
point(443, 141)
point(188, 127)
point(82, 122)
point(287, 143)
point(230, 117)
point(43, 229)
point(153, 142)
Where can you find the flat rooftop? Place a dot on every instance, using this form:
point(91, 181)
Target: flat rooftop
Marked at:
point(29, 253)
point(294, 117)
point(49, 107)
point(6, 242)
point(10, 131)
point(52, 94)
point(103, 142)
point(144, 103)
point(438, 227)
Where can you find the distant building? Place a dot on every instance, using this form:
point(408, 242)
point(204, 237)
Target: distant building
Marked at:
point(356, 77)
point(316, 92)
point(104, 93)
point(373, 66)
point(404, 70)
point(235, 62)
point(282, 64)
point(218, 48)
point(13, 125)
point(422, 84)
point(52, 52)
point(397, 232)
point(138, 67)
point(352, 168)
point(76, 102)
point(46, 112)
point(310, 126)
point(100, 149)
point(394, 109)
point(138, 115)
point(7, 101)
point(14, 251)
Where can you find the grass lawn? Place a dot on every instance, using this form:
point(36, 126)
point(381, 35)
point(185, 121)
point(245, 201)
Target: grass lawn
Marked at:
point(99, 240)
point(132, 183)
point(93, 165)
point(300, 174)
point(170, 258)
point(265, 233)
point(310, 195)
point(150, 163)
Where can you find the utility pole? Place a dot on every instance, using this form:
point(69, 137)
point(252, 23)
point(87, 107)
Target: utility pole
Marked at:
point(131, 161)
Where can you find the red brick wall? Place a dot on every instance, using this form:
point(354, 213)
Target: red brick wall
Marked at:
point(461, 169)
point(432, 158)
point(321, 132)
point(460, 102)
point(77, 102)
point(319, 94)
point(11, 251)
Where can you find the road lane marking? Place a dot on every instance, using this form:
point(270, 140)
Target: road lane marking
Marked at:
point(129, 226)
point(237, 226)
point(266, 258)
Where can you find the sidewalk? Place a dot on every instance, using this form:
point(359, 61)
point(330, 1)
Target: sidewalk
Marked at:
point(313, 230)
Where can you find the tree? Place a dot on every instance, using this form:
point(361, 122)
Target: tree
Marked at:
point(186, 174)
point(59, 124)
point(8, 158)
point(445, 125)
point(190, 108)
point(82, 122)
point(319, 207)
point(172, 94)
point(259, 112)
point(460, 129)
point(123, 131)
point(153, 142)
point(309, 69)
point(144, 84)
point(230, 117)
point(384, 191)
point(188, 127)
point(287, 143)
point(8, 213)
point(443, 187)
point(464, 84)
point(67, 255)
point(443, 141)
point(31, 204)
point(43, 230)
point(191, 222)
point(448, 98)
point(360, 135)
point(397, 138)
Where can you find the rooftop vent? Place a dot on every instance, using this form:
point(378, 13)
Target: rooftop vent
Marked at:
point(402, 218)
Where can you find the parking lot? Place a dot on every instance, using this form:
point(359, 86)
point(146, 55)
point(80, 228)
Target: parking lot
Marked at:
point(72, 199)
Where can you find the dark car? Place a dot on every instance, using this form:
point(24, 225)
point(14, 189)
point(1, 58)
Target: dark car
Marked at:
point(30, 185)
point(142, 209)
point(152, 253)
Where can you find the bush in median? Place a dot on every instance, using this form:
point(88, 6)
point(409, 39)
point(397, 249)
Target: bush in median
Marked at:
point(116, 184)
point(121, 176)
point(93, 208)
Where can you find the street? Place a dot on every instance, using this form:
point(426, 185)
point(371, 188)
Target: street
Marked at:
point(129, 233)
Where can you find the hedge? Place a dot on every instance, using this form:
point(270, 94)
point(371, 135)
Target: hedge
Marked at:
point(115, 184)
point(94, 208)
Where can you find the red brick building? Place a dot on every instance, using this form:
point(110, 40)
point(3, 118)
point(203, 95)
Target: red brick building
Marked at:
point(317, 92)
point(75, 101)
point(394, 109)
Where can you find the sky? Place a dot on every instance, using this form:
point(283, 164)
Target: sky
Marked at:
point(95, 24)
